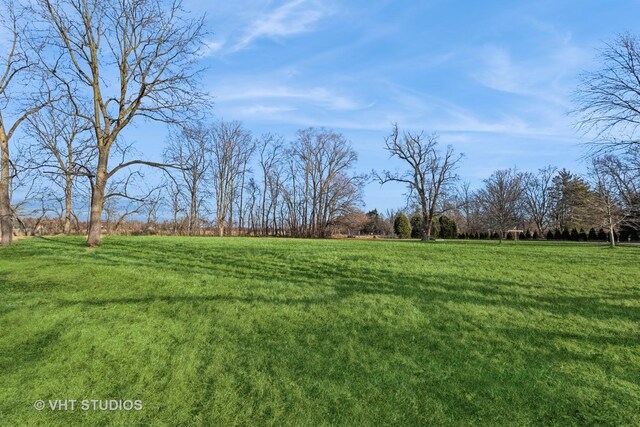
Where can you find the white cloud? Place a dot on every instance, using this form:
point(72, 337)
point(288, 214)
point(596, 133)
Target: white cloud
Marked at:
point(210, 47)
point(293, 17)
point(318, 96)
point(546, 77)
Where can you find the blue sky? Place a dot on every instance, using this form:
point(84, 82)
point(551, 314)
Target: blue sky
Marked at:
point(493, 78)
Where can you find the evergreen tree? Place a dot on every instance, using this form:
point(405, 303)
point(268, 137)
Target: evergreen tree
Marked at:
point(566, 235)
point(592, 234)
point(448, 228)
point(375, 223)
point(416, 225)
point(535, 236)
point(401, 226)
point(557, 235)
point(550, 235)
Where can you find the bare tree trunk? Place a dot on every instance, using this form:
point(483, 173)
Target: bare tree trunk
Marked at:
point(192, 214)
point(67, 205)
point(6, 223)
point(241, 204)
point(612, 236)
point(97, 199)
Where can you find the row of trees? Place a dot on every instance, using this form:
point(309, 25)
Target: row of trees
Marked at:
point(301, 188)
point(550, 203)
point(75, 75)
point(548, 199)
point(217, 178)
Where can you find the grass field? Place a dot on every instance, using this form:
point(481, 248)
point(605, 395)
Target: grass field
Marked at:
point(210, 331)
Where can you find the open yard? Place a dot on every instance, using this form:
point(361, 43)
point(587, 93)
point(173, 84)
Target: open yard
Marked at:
point(248, 331)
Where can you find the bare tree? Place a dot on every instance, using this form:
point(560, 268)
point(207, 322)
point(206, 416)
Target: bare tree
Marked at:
point(17, 65)
point(126, 196)
point(121, 60)
point(321, 185)
point(608, 204)
point(231, 146)
point(617, 191)
point(270, 159)
point(501, 200)
point(608, 104)
point(245, 156)
point(608, 99)
point(537, 196)
point(61, 150)
point(468, 207)
point(430, 173)
point(189, 149)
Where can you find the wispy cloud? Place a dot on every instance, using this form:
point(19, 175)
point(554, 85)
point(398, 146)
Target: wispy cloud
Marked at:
point(293, 17)
point(211, 47)
point(318, 96)
point(544, 76)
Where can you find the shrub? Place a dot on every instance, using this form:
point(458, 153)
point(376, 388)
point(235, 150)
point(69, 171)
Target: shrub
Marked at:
point(602, 236)
point(574, 235)
point(582, 236)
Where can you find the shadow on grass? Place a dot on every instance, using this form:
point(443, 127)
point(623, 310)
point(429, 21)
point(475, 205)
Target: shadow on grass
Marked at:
point(441, 360)
point(287, 265)
point(33, 349)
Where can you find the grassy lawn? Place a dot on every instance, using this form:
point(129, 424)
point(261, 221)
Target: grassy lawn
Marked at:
point(210, 331)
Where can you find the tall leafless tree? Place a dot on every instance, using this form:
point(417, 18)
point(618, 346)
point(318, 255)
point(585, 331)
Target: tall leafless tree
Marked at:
point(321, 185)
point(17, 66)
point(121, 60)
point(430, 172)
point(501, 200)
point(189, 150)
point(61, 150)
point(608, 203)
point(617, 192)
point(537, 196)
point(231, 147)
point(608, 99)
point(270, 160)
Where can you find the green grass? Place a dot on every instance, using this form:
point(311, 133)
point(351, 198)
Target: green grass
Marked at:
point(210, 331)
